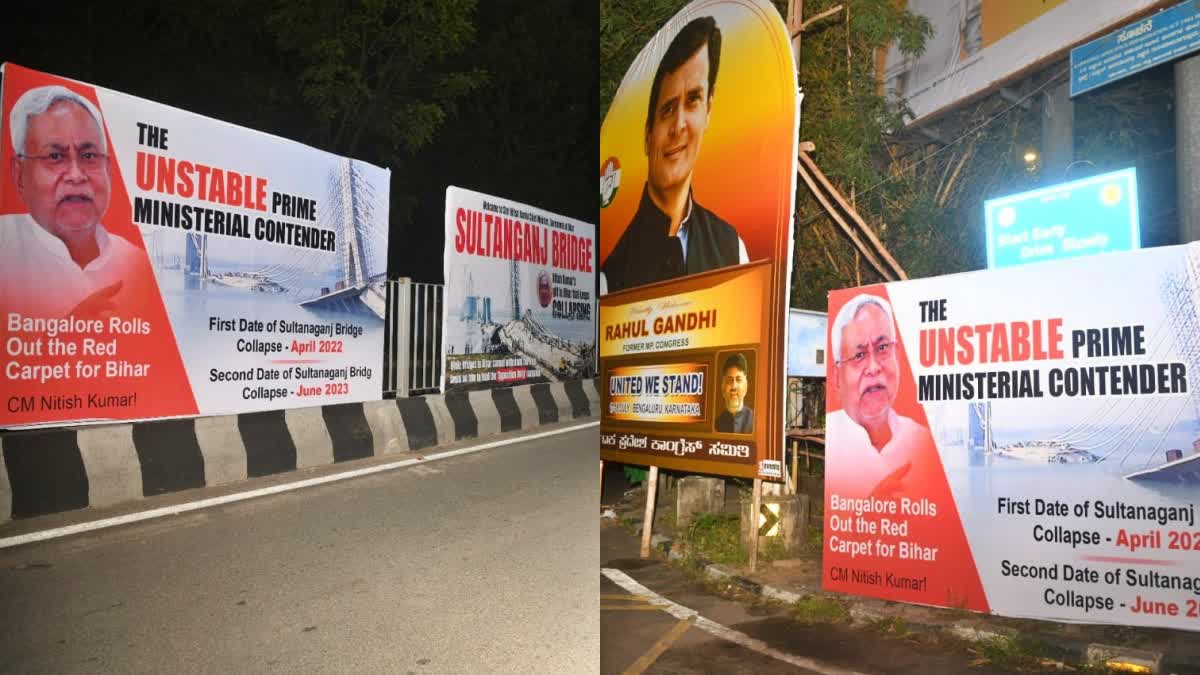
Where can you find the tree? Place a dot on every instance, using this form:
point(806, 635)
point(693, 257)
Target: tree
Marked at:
point(439, 92)
point(529, 134)
point(377, 72)
point(625, 27)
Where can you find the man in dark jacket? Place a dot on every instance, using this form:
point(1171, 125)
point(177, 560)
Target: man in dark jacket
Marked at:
point(672, 235)
point(735, 380)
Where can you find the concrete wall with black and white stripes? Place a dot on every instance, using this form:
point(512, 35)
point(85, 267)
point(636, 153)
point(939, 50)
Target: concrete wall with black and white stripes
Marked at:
point(45, 471)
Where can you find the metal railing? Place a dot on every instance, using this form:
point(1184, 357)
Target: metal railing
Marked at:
point(412, 343)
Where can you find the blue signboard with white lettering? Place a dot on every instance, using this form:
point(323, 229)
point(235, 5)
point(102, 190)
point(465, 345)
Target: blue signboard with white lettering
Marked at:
point(1082, 217)
point(1156, 39)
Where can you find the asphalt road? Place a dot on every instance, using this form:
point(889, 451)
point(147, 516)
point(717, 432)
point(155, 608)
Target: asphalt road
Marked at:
point(480, 563)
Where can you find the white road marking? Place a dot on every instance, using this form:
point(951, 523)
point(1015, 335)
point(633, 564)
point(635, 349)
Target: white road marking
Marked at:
point(684, 613)
point(68, 530)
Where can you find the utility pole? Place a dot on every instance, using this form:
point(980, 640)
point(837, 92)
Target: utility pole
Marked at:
point(1187, 147)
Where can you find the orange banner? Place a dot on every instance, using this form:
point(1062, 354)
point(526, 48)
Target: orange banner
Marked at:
point(697, 185)
point(725, 313)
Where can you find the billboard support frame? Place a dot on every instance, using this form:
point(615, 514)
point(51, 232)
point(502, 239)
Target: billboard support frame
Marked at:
point(648, 519)
point(812, 175)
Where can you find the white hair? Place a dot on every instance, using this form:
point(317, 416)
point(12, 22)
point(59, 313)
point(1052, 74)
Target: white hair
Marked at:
point(847, 313)
point(37, 101)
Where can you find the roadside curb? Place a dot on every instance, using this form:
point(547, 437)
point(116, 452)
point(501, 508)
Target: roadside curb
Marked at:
point(54, 470)
point(969, 631)
point(872, 611)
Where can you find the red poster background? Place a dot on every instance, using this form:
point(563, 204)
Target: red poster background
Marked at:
point(953, 579)
point(165, 391)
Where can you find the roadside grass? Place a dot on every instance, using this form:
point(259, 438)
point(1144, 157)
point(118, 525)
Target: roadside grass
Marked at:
point(893, 626)
point(715, 537)
point(1018, 653)
point(814, 541)
point(630, 524)
point(819, 609)
point(664, 518)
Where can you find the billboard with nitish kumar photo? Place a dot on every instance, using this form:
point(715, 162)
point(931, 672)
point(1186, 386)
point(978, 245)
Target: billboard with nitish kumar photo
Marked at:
point(158, 263)
point(1023, 441)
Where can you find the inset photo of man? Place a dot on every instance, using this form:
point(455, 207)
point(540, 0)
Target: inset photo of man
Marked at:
point(736, 417)
point(671, 234)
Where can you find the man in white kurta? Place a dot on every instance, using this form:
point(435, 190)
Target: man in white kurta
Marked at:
point(872, 444)
point(883, 471)
point(38, 277)
point(57, 259)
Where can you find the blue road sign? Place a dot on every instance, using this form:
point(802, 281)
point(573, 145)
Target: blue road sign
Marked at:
point(1156, 39)
point(1082, 217)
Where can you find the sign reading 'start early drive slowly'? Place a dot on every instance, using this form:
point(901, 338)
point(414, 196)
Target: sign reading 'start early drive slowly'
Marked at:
point(697, 180)
point(1083, 217)
point(157, 263)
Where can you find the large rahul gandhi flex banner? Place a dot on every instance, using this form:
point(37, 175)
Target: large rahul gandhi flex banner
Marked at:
point(157, 263)
point(520, 305)
point(697, 181)
point(1023, 441)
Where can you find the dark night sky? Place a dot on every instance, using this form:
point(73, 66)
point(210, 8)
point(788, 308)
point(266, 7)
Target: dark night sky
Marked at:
point(528, 133)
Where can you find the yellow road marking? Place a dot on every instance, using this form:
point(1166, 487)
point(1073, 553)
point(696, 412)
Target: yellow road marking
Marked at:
point(659, 647)
point(623, 596)
point(630, 608)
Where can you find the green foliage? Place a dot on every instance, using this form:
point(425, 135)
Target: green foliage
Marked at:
point(625, 27)
point(891, 625)
point(1015, 652)
point(635, 474)
point(716, 538)
point(819, 609)
point(815, 537)
point(457, 92)
point(372, 73)
point(849, 119)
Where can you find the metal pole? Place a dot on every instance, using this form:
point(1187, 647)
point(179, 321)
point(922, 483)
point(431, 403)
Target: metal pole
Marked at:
point(403, 337)
point(648, 522)
point(439, 356)
point(1058, 121)
point(602, 484)
point(755, 507)
point(427, 344)
point(796, 466)
point(388, 333)
point(1187, 147)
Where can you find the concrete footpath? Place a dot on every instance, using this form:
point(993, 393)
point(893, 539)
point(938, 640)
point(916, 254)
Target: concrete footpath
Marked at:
point(793, 582)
